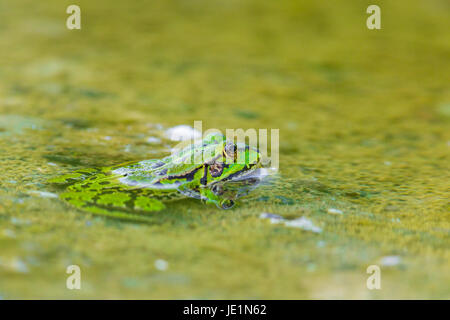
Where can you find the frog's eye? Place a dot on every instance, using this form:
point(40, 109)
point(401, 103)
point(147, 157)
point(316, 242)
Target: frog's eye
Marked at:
point(216, 169)
point(230, 150)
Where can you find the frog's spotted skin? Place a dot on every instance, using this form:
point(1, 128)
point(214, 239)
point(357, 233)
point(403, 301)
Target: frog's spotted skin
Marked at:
point(219, 172)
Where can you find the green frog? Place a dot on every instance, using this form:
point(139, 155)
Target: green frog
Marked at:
point(212, 169)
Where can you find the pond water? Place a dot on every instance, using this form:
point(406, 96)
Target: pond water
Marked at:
point(364, 126)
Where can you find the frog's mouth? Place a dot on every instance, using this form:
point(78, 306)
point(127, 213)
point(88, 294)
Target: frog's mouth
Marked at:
point(252, 171)
point(240, 184)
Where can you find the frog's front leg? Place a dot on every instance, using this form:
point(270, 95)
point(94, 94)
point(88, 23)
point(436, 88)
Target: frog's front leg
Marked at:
point(211, 195)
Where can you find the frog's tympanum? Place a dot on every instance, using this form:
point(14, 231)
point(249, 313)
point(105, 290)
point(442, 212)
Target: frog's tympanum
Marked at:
point(213, 170)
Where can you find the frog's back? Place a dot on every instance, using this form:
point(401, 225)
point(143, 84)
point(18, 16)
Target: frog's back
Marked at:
point(124, 191)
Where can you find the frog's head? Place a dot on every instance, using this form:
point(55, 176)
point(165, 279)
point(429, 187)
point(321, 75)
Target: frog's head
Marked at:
point(236, 161)
point(226, 160)
point(233, 162)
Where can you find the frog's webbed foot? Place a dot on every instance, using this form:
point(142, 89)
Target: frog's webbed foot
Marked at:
point(213, 195)
point(226, 204)
point(221, 203)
